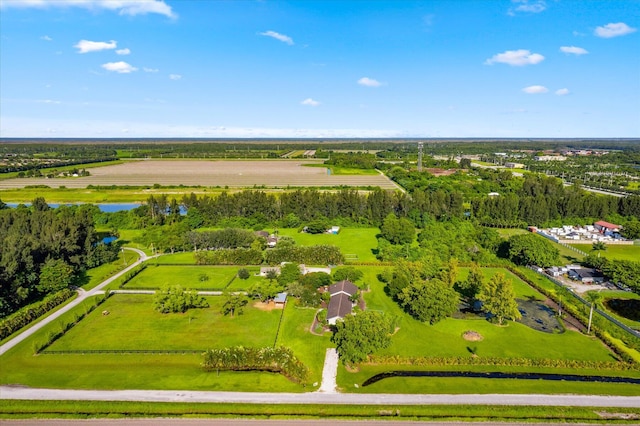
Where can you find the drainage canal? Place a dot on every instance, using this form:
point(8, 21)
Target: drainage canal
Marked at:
point(526, 376)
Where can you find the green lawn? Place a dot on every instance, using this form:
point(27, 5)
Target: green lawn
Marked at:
point(188, 277)
point(351, 241)
point(521, 288)
point(133, 324)
point(244, 285)
point(617, 252)
point(509, 232)
point(295, 334)
point(183, 258)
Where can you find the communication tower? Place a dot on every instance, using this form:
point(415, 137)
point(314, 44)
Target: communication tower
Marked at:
point(419, 156)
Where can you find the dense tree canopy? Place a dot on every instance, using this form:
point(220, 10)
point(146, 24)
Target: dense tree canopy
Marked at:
point(531, 249)
point(429, 301)
point(359, 336)
point(498, 299)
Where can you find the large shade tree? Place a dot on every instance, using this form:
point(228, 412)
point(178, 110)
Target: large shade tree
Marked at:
point(498, 299)
point(359, 336)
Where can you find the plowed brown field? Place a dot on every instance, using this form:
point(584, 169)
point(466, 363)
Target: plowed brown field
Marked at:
point(238, 174)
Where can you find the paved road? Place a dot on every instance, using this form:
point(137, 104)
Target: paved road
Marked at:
point(18, 392)
point(82, 296)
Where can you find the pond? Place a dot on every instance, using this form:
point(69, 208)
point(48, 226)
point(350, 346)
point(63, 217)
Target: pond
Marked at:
point(538, 316)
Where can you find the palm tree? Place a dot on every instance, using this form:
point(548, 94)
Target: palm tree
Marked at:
point(594, 298)
point(563, 294)
point(599, 246)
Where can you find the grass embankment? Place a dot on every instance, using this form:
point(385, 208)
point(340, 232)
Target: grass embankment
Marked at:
point(95, 276)
point(97, 196)
point(439, 413)
point(339, 170)
point(354, 243)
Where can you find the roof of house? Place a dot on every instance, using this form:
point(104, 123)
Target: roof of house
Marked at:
point(607, 224)
point(339, 306)
point(280, 297)
point(343, 286)
point(587, 273)
point(262, 234)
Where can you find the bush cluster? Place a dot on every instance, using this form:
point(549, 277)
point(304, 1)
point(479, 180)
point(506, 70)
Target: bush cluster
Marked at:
point(238, 358)
point(499, 362)
point(32, 312)
point(310, 255)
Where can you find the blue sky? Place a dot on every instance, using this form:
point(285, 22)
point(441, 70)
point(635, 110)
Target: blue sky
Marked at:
point(339, 68)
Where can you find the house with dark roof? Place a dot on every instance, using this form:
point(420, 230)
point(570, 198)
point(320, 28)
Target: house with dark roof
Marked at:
point(340, 304)
point(586, 275)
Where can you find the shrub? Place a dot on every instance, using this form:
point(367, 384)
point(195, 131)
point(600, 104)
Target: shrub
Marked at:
point(243, 274)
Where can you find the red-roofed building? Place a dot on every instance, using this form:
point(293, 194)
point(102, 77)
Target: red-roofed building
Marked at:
point(603, 226)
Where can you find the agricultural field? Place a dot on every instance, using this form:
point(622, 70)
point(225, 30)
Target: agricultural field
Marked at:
point(232, 174)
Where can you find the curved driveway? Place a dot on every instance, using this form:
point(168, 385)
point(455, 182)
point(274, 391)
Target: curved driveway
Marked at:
point(82, 296)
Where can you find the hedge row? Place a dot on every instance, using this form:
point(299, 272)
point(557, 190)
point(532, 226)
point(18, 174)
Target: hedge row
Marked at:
point(238, 358)
point(132, 274)
point(239, 256)
point(32, 312)
point(499, 362)
point(310, 255)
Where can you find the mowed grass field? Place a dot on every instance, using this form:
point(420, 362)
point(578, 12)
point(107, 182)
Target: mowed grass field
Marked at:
point(187, 277)
point(618, 252)
point(232, 174)
point(351, 241)
point(133, 324)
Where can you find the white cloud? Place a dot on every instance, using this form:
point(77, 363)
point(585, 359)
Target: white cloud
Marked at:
point(516, 58)
point(48, 101)
point(574, 50)
point(562, 92)
point(310, 102)
point(86, 46)
point(46, 38)
point(535, 6)
point(123, 51)
point(614, 30)
point(369, 82)
point(283, 38)
point(123, 7)
point(145, 69)
point(534, 90)
point(119, 67)
point(175, 76)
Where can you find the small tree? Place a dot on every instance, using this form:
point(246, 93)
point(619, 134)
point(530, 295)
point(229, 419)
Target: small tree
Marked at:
point(173, 299)
point(358, 336)
point(243, 274)
point(234, 303)
point(289, 273)
point(470, 287)
point(498, 299)
point(317, 226)
point(599, 246)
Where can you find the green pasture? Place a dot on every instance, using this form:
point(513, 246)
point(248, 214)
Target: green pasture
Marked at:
point(182, 258)
point(509, 232)
point(96, 196)
point(614, 252)
point(244, 285)
point(133, 324)
point(511, 341)
point(187, 277)
point(351, 241)
point(295, 334)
